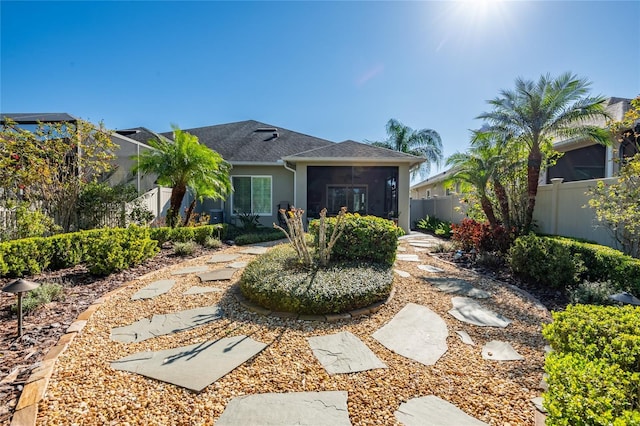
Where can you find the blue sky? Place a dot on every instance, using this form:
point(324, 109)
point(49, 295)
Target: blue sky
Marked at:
point(335, 70)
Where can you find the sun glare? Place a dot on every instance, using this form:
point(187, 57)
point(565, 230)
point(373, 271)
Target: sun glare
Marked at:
point(471, 21)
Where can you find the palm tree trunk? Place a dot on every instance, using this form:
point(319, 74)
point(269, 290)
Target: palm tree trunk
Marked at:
point(173, 215)
point(487, 208)
point(188, 213)
point(503, 200)
point(533, 175)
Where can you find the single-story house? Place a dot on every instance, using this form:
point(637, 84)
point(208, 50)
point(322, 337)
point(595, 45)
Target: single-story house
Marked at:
point(276, 168)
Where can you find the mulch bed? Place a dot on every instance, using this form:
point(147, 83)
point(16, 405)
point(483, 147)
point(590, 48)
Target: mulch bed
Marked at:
point(43, 327)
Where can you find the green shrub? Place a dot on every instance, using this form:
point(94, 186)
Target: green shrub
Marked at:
point(68, 249)
point(42, 295)
point(589, 392)
point(605, 264)
point(185, 249)
point(592, 293)
point(611, 333)
point(277, 281)
point(594, 371)
point(161, 234)
point(365, 238)
point(212, 243)
point(544, 261)
point(259, 237)
point(26, 256)
point(437, 226)
point(116, 249)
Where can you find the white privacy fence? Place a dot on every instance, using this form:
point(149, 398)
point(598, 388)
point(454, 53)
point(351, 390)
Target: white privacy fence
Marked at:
point(561, 209)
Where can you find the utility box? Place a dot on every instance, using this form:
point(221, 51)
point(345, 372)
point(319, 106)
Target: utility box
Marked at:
point(216, 216)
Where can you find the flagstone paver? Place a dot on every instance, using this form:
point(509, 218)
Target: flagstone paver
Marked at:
point(403, 274)
point(154, 289)
point(416, 332)
point(190, 270)
point(433, 411)
point(408, 257)
point(500, 351)
point(201, 290)
point(238, 265)
point(255, 250)
point(430, 268)
point(464, 336)
point(221, 274)
point(288, 409)
point(423, 244)
point(344, 353)
point(223, 257)
point(159, 325)
point(458, 286)
point(195, 366)
point(470, 311)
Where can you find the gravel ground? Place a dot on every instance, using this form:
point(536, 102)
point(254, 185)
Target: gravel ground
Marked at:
point(85, 390)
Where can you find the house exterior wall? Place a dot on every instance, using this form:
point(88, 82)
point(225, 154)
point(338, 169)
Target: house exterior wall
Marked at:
point(282, 181)
point(124, 162)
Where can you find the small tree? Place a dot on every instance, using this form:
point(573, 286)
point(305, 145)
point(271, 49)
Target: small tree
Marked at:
point(618, 204)
point(296, 235)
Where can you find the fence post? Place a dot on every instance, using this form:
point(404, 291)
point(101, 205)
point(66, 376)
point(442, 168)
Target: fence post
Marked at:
point(554, 203)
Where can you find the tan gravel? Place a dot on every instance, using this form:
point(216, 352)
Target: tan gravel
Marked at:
point(84, 390)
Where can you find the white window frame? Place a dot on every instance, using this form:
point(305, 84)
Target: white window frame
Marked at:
point(233, 210)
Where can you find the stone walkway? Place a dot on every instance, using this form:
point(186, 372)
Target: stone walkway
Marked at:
point(415, 332)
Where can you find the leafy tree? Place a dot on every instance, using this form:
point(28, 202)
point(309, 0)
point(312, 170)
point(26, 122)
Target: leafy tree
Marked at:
point(422, 143)
point(618, 204)
point(536, 113)
point(185, 163)
point(49, 166)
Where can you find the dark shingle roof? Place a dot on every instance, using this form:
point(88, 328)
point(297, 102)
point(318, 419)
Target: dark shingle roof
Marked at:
point(252, 141)
point(351, 150)
point(35, 117)
point(139, 134)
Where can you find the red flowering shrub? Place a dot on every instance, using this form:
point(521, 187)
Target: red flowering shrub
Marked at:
point(471, 234)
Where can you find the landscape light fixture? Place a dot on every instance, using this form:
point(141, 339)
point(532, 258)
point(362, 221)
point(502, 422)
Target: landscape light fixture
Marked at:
point(625, 298)
point(19, 287)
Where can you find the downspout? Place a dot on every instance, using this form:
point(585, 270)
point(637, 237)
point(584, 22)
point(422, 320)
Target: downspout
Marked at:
point(295, 183)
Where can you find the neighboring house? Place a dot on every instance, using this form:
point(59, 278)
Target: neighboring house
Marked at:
point(435, 186)
point(276, 168)
point(123, 161)
point(583, 159)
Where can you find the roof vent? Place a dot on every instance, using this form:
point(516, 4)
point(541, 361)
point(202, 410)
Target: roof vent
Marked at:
point(266, 129)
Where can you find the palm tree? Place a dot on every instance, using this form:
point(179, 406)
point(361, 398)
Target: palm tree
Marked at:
point(185, 163)
point(536, 113)
point(422, 143)
point(477, 167)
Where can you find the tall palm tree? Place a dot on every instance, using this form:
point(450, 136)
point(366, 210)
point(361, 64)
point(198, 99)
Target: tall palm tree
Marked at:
point(184, 163)
point(422, 143)
point(536, 113)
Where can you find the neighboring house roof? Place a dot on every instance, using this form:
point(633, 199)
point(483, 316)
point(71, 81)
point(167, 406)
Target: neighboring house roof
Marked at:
point(35, 117)
point(433, 180)
point(139, 134)
point(254, 142)
point(350, 151)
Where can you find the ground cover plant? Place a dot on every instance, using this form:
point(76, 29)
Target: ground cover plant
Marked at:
point(432, 224)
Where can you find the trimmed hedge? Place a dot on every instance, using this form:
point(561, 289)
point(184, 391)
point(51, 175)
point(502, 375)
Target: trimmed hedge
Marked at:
point(365, 238)
point(198, 234)
point(563, 262)
point(277, 281)
point(259, 237)
point(594, 371)
point(103, 250)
